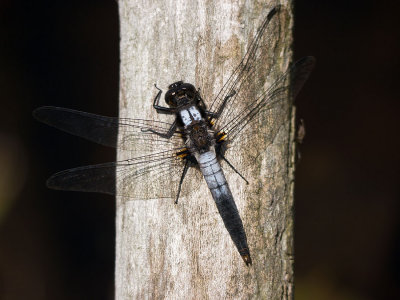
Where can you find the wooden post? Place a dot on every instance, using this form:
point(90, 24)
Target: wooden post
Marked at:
point(183, 251)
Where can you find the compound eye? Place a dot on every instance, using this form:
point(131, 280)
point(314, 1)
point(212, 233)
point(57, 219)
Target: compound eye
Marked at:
point(169, 98)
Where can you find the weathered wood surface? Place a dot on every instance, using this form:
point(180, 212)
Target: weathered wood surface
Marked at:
point(183, 251)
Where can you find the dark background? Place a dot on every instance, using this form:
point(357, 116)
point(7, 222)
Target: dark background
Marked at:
point(57, 245)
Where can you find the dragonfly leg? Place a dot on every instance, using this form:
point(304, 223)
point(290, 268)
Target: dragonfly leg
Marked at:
point(233, 168)
point(185, 169)
point(221, 108)
point(156, 104)
point(167, 135)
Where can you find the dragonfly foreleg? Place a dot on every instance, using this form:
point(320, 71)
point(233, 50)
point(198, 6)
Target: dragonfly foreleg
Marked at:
point(233, 168)
point(156, 104)
point(185, 169)
point(167, 135)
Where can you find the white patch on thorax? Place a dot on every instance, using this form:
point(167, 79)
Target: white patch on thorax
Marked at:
point(185, 117)
point(189, 115)
point(195, 113)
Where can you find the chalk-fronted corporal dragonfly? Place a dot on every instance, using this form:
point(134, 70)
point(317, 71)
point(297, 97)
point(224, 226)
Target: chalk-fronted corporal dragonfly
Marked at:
point(199, 136)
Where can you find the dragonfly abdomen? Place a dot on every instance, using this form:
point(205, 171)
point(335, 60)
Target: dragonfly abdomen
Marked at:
point(223, 198)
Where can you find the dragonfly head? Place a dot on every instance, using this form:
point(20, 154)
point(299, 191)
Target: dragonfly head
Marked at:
point(179, 94)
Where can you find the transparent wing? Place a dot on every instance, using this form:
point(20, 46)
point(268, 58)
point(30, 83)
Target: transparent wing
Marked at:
point(273, 103)
point(103, 130)
point(162, 170)
point(246, 94)
point(242, 82)
point(153, 175)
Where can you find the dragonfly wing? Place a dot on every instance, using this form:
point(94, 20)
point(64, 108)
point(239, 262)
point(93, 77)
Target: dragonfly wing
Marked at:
point(147, 177)
point(104, 130)
point(273, 103)
point(136, 136)
point(94, 178)
point(247, 72)
point(98, 129)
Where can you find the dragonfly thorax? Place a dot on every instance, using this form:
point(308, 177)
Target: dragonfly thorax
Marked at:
point(199, 138)
point(190, 115)
point(196, 129)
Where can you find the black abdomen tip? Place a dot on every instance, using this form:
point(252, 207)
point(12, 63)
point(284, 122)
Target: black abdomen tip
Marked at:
point(245, 254)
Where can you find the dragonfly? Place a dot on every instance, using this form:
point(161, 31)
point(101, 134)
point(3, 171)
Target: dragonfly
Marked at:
point(200, 136)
